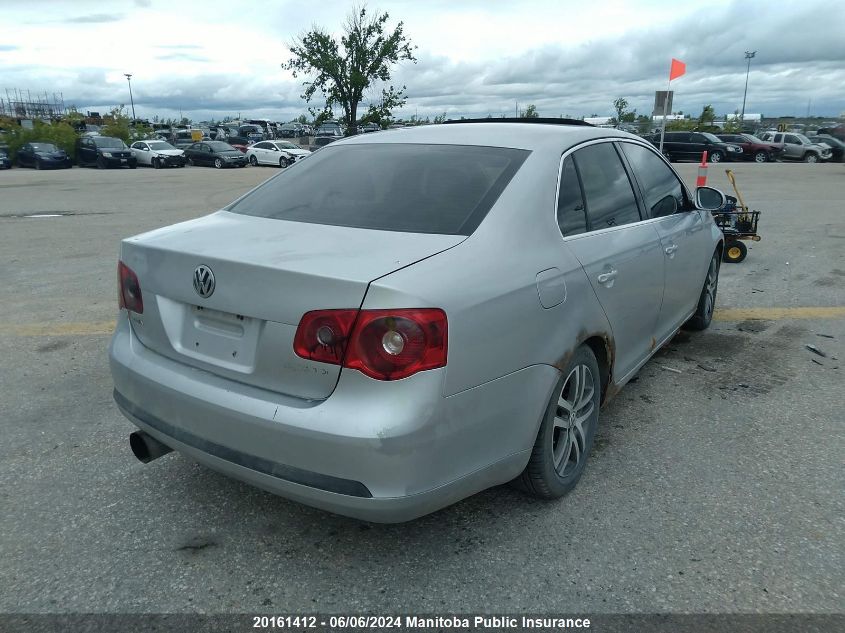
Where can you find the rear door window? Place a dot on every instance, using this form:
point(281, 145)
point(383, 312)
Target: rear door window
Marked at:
point(571, 214)
point(415, 188)
point(661, 190)
point(607, 190)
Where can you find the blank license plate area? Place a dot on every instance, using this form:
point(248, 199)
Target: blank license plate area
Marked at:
point(221, 338)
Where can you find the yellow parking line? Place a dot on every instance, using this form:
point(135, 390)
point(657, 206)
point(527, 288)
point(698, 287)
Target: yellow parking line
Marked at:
point(90, 328)
point(776, 314)
point(101, 328)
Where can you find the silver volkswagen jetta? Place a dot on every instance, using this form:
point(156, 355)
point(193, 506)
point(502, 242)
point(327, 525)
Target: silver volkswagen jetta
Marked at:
point(408, 318)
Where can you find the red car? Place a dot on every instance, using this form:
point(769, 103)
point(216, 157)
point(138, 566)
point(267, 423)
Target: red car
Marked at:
point(753, 148)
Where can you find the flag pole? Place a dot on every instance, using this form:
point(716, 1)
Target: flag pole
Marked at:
point(665, 107)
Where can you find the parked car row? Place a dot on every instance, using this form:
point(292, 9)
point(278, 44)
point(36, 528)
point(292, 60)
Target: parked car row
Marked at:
point(769, 146)
point(106, 151)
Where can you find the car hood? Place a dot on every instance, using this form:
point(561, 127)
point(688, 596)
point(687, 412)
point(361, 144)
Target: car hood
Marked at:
point(229, 152)
point(58, 154)
point(297, 152)
point(168, 152)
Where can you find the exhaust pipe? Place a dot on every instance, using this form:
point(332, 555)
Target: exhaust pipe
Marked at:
point(146, 448)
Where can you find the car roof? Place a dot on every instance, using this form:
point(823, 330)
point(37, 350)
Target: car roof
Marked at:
point(528, 136)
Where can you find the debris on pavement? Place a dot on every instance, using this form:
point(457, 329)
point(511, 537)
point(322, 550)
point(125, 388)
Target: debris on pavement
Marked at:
point(816, 350)
point(672, 369)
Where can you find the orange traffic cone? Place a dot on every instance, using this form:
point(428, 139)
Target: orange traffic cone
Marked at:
point(701, 181)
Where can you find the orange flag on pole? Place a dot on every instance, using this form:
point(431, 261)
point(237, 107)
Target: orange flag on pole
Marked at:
point(678, 68)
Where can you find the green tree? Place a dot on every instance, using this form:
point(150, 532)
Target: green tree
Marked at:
point(530, 112)
point(440, 118)
point(708, 115)
point(621, 106)
point(61, 134)
point(117, 124)
point(343, 71)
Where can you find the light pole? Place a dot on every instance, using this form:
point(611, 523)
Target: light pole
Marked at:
point(748, 56)
point(131, 100)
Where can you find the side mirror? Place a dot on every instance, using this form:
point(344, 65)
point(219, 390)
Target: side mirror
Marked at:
point(709, 199)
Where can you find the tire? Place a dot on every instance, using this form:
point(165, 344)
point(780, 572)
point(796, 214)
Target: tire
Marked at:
point(156, 163)
point(735, 252)
point(283, 162)
point(700, 320)
point(253, 161)
point(761, 157)
point(716, 157)
point(218, 164)
point(37, 164)
point(191, 162)
point(563, 444)
point(810, 157)
point(101, 163)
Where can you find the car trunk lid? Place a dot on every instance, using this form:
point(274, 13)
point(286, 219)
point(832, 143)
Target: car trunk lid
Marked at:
point(267, 273)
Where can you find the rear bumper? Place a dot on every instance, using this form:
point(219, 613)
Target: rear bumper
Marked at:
point(120, 162)
point(377, 451)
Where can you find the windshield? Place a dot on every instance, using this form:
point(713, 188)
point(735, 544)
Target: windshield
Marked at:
point(803, 139)
point(711, 137)
point(161, 145)
point(44, 147)
point(105, 141)
point(752, 138)
point(220, 146)
point(445, 189)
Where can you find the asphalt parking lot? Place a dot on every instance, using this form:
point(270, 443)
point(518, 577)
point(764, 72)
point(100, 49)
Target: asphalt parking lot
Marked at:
point(715, 485)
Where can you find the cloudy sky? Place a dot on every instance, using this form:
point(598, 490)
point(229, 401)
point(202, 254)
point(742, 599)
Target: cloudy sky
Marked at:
point(210, 58)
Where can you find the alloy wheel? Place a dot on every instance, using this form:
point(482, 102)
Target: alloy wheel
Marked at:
point(573, 415)
point(710, 287)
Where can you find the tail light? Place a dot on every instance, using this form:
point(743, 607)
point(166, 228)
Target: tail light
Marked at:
point(128, 289)
point(382, 344)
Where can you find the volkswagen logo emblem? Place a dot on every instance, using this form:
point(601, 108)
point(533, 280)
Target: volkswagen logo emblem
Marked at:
point(204, 281)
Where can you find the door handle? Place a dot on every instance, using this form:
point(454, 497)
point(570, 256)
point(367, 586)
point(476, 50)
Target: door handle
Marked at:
point(670, 250)
point(610, 275)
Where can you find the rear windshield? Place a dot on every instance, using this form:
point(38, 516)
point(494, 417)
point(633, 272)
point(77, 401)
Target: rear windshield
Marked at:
point(107, 141)
point(445, 189)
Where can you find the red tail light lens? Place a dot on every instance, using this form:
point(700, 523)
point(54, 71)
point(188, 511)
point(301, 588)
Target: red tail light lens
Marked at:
point(322, 335)
point(382, 344)
point(128, 289)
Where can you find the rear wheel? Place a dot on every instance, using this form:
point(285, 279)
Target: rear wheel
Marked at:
point(735, 252)
point(191, 161)
point(253, 161)
point(101, 162)
point(700, 320)
point(218, 164)
point(37, 164)
point(716, 157)
point(157, 163)
point(761, 157)
point(283, 162)
point(567, 431)
point(810, 157)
